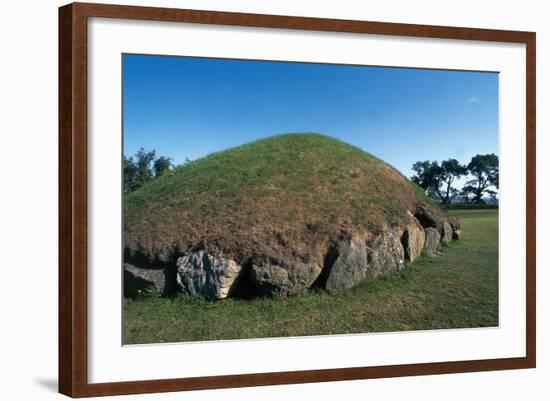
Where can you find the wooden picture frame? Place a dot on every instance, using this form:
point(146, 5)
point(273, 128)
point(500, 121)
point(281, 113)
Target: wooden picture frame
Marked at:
point(73, 204)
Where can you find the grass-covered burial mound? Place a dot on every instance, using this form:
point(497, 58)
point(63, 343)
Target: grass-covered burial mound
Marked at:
point(275, 217)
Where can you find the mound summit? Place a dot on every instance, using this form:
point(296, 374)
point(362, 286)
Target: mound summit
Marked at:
point(275, 217)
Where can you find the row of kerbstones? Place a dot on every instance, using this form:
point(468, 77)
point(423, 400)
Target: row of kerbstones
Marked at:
point(353, 261)
point(207, 275)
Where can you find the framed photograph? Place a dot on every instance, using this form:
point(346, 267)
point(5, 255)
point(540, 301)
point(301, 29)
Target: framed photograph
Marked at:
point(251, 200)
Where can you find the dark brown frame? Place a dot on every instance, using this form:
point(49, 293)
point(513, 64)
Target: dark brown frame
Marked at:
point(73, 198)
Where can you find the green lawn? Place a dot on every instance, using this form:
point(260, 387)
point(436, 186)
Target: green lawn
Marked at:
point(454, 290)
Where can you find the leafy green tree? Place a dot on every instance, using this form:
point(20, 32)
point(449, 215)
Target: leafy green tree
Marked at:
point(437, 180)
point(142, 168)
point(161, 165)
point(129, 173)
point(451, 170)
point(428, 177)
point(484, 170)
point(143, 172)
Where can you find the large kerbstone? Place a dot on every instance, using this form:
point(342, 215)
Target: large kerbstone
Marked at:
point(428, 218)
point(385, 254)
point(446, 232)
point(207, 275)
point(140, 281)
point(413, 239)
point(272, 279)
point(433, 238)
point(358, 259)
point(454, 222)
point(349, 266)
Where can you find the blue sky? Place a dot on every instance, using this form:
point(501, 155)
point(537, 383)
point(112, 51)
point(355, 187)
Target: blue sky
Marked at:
point(190, 107)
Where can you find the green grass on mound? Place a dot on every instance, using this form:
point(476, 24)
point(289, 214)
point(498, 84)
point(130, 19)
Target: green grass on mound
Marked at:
point(458, 289)
point(287, 197)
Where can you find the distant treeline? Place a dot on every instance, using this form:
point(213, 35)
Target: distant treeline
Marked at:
point(438, 180)
point(470, 205)
point(143, 167)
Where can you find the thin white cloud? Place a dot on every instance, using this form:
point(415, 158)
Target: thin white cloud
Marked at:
point(472, 100)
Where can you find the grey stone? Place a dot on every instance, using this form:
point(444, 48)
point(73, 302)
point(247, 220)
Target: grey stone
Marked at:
point(140, 281)
point(272, 279)
point(454, 222)
point(385, 254)
point(446, 232)
point(357, 259)
point(413, 239)
point(445, 225)
point(350, 265)
point(433, 238)
point(207, 275)
point(428, 218)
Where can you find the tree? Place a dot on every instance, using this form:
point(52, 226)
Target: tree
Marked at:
point(142, 168)
point(437, 180)
point(428, 177)
point(451, 169)
point(129, 173)
point(484, 169)
point(161, 165)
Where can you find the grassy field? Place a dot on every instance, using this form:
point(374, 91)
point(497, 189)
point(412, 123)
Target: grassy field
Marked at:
point(457, 289)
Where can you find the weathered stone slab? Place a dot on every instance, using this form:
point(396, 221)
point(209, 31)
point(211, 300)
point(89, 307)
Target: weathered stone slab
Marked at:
point(272, 279)
point(204, 274)
point(385, 254)
point(350, 265)
point(447, 232)
point(139, 281)
point(433, 238)
point(413, 239)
